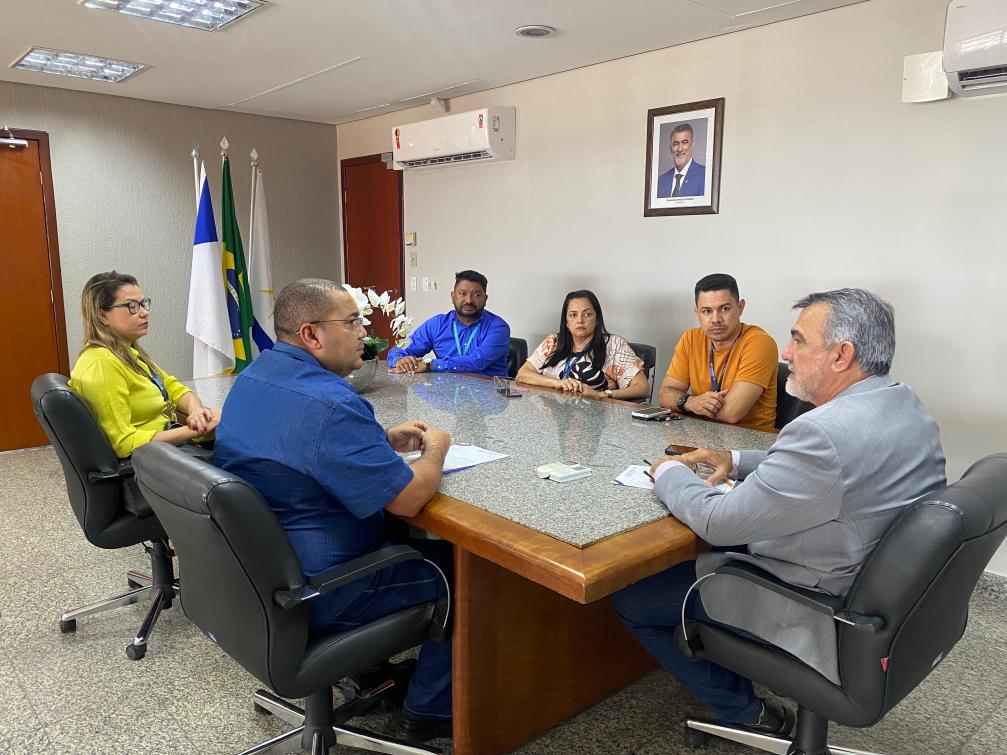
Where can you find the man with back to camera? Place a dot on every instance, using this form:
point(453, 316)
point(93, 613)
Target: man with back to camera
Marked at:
point(811, 508)
point(298, 432)
point(725, 369)
point(468, 339)
point(687, 178)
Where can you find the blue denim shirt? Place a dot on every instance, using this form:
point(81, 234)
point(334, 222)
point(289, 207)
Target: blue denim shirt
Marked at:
point(484, 344)
point(311, 446)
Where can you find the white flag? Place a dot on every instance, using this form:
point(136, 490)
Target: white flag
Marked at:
point(207, 321)
point(260, 274)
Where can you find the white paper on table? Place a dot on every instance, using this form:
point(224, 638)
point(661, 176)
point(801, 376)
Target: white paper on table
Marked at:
point(460, 457)
point(635, 476)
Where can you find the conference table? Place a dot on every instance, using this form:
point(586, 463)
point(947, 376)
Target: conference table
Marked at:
point(535, 637)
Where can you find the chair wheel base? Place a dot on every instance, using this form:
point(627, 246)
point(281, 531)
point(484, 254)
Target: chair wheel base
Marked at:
point(261, 710)
point(694, 739)
point(136, 652)
point(66, 626)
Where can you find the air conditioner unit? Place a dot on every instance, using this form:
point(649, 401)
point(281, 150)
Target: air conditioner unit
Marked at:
point(975, 46)
point(486, 134)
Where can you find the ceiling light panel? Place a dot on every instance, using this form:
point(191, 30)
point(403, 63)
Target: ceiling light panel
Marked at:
point(78, 65)
point(208, 15)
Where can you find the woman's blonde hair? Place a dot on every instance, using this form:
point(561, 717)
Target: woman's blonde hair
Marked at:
point(98, 295)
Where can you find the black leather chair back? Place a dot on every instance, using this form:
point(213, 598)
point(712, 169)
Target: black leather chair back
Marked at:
point(788, 408)
point(517, 355)
point(233, 556)
point(919, 579)
point(84, 453)
point(648, 355)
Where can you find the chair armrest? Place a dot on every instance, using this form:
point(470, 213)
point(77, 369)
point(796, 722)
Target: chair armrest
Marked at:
point(821, 602)
point(343, 574)
point(124, 470)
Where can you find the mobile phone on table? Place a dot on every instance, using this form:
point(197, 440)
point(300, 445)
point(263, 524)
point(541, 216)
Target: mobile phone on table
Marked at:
point(657, 413)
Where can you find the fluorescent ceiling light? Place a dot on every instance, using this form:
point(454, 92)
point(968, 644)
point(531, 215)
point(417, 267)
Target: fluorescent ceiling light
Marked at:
point(76, 64)
point(208, 15)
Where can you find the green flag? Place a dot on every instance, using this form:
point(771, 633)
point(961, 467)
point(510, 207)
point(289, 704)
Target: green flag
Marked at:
point(239, 300)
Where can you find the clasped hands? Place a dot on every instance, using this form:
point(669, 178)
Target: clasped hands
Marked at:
point(719, 461)
point(415, 435)
point(203, 420)
point(411, 365)
point(706, 404)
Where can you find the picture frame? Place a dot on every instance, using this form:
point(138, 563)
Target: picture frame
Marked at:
point(694, 133)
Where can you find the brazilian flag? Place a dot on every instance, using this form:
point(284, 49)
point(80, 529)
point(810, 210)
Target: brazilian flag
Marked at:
point(239, 299)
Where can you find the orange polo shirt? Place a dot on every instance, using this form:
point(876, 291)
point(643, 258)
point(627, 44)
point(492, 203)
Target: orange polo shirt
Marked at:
point(752, 359)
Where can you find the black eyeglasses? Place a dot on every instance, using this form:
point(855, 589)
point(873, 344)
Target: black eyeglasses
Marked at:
point(357, 322)
point(133, 305)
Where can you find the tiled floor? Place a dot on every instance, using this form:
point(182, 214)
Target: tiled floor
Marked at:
point(78, 693)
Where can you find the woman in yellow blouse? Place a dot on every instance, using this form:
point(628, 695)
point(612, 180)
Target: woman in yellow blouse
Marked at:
point(134, 400)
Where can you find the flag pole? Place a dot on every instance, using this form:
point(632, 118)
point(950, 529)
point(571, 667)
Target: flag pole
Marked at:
point(254, 159)
point(195, 168)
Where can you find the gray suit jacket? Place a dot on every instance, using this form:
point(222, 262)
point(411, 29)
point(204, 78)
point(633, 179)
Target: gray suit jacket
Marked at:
point(811, 509)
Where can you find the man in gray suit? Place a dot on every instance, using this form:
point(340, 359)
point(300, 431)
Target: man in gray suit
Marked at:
point(809, 510)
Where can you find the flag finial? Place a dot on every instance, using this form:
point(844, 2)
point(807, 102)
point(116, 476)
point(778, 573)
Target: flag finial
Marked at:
point(195, 148)
point(254, 156)
point(224, 144)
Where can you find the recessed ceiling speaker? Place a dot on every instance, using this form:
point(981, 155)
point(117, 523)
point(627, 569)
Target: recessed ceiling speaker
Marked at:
point(535, 31)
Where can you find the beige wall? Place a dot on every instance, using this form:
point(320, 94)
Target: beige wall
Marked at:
point(123, 181)
point(828, 180)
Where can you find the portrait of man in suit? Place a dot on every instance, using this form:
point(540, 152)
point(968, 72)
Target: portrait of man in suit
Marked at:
point(687, 178)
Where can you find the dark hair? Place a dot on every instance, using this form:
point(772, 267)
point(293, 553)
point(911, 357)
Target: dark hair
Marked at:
point(683, 127)
point(599, 341)
point(864, 319)
point(717, 282)
point(302, 301)
point(472, 277)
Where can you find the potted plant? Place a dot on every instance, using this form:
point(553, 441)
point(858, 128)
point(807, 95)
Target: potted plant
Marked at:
point(402, 327)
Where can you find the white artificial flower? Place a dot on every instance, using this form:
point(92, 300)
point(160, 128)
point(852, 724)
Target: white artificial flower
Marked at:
point(358, 298)
point(373, 297)
point(400, 307)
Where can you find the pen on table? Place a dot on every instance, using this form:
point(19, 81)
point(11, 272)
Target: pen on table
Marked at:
point(649, 475)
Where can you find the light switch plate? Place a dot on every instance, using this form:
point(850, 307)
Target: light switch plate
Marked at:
point(412, 283)
point(426, 283)
point(412, 258)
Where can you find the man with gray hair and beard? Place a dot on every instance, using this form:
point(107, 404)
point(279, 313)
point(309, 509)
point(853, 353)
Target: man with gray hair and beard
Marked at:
point(808, 511)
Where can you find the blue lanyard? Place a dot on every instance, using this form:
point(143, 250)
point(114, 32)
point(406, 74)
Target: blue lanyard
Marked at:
point(714, 382)
point(155, 379)
point(468, 344)
point(571, 363)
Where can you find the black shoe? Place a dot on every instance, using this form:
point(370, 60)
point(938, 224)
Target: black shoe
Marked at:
point(772, 718)
point(416, 728)
point(361, 686)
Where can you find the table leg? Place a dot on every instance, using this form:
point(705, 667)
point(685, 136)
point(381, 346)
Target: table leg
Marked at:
point(526, 658)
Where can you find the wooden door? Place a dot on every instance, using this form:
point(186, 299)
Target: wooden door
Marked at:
point(33, 336)
point(372, 229)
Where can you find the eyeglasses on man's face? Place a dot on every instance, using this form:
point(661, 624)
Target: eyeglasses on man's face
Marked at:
point(353, 322)
point(133, 305)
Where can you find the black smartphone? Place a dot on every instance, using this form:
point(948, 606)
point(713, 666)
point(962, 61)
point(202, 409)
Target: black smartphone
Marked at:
point(670, 451)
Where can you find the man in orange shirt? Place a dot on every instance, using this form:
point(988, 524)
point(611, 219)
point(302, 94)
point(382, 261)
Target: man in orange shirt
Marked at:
point(724, 369)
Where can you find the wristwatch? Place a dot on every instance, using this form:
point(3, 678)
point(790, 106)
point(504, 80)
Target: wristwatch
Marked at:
point(608, 393)
point(680, 404)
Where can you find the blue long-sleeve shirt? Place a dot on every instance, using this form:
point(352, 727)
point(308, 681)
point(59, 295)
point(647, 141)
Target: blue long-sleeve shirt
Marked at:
point(484, 344)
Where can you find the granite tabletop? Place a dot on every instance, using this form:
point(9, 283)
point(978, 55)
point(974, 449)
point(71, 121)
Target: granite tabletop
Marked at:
point(540, 427)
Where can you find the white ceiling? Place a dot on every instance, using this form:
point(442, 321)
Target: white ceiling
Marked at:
point(333, 61)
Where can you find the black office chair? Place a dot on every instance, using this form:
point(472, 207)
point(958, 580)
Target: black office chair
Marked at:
point(517, 355)
point(906, 610)
point(648, 354)
point(242, 585)
point(107, 503)
point(788, 408)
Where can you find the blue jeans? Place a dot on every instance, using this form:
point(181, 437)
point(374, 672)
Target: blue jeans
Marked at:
point(652, 610)
point(389, 590)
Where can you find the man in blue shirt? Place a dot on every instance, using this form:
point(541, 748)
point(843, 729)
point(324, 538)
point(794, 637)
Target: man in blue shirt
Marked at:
point(298, 432)
point(469, 339)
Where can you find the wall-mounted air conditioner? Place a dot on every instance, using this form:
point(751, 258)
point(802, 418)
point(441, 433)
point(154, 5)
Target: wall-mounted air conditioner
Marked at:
point(479, 135)
point(975, 46)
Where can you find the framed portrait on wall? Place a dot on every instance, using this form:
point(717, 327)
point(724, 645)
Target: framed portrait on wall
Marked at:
point(683, 159)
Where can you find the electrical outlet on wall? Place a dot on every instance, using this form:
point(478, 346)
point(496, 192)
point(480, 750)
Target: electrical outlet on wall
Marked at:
point(426, 283)
point(412, 283)
point(412, 258)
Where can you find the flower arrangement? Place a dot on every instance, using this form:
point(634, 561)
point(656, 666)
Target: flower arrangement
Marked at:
point(402, 325)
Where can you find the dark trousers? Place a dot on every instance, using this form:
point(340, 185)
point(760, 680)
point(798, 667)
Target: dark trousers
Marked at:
point(400, 586)
point(652, 610)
